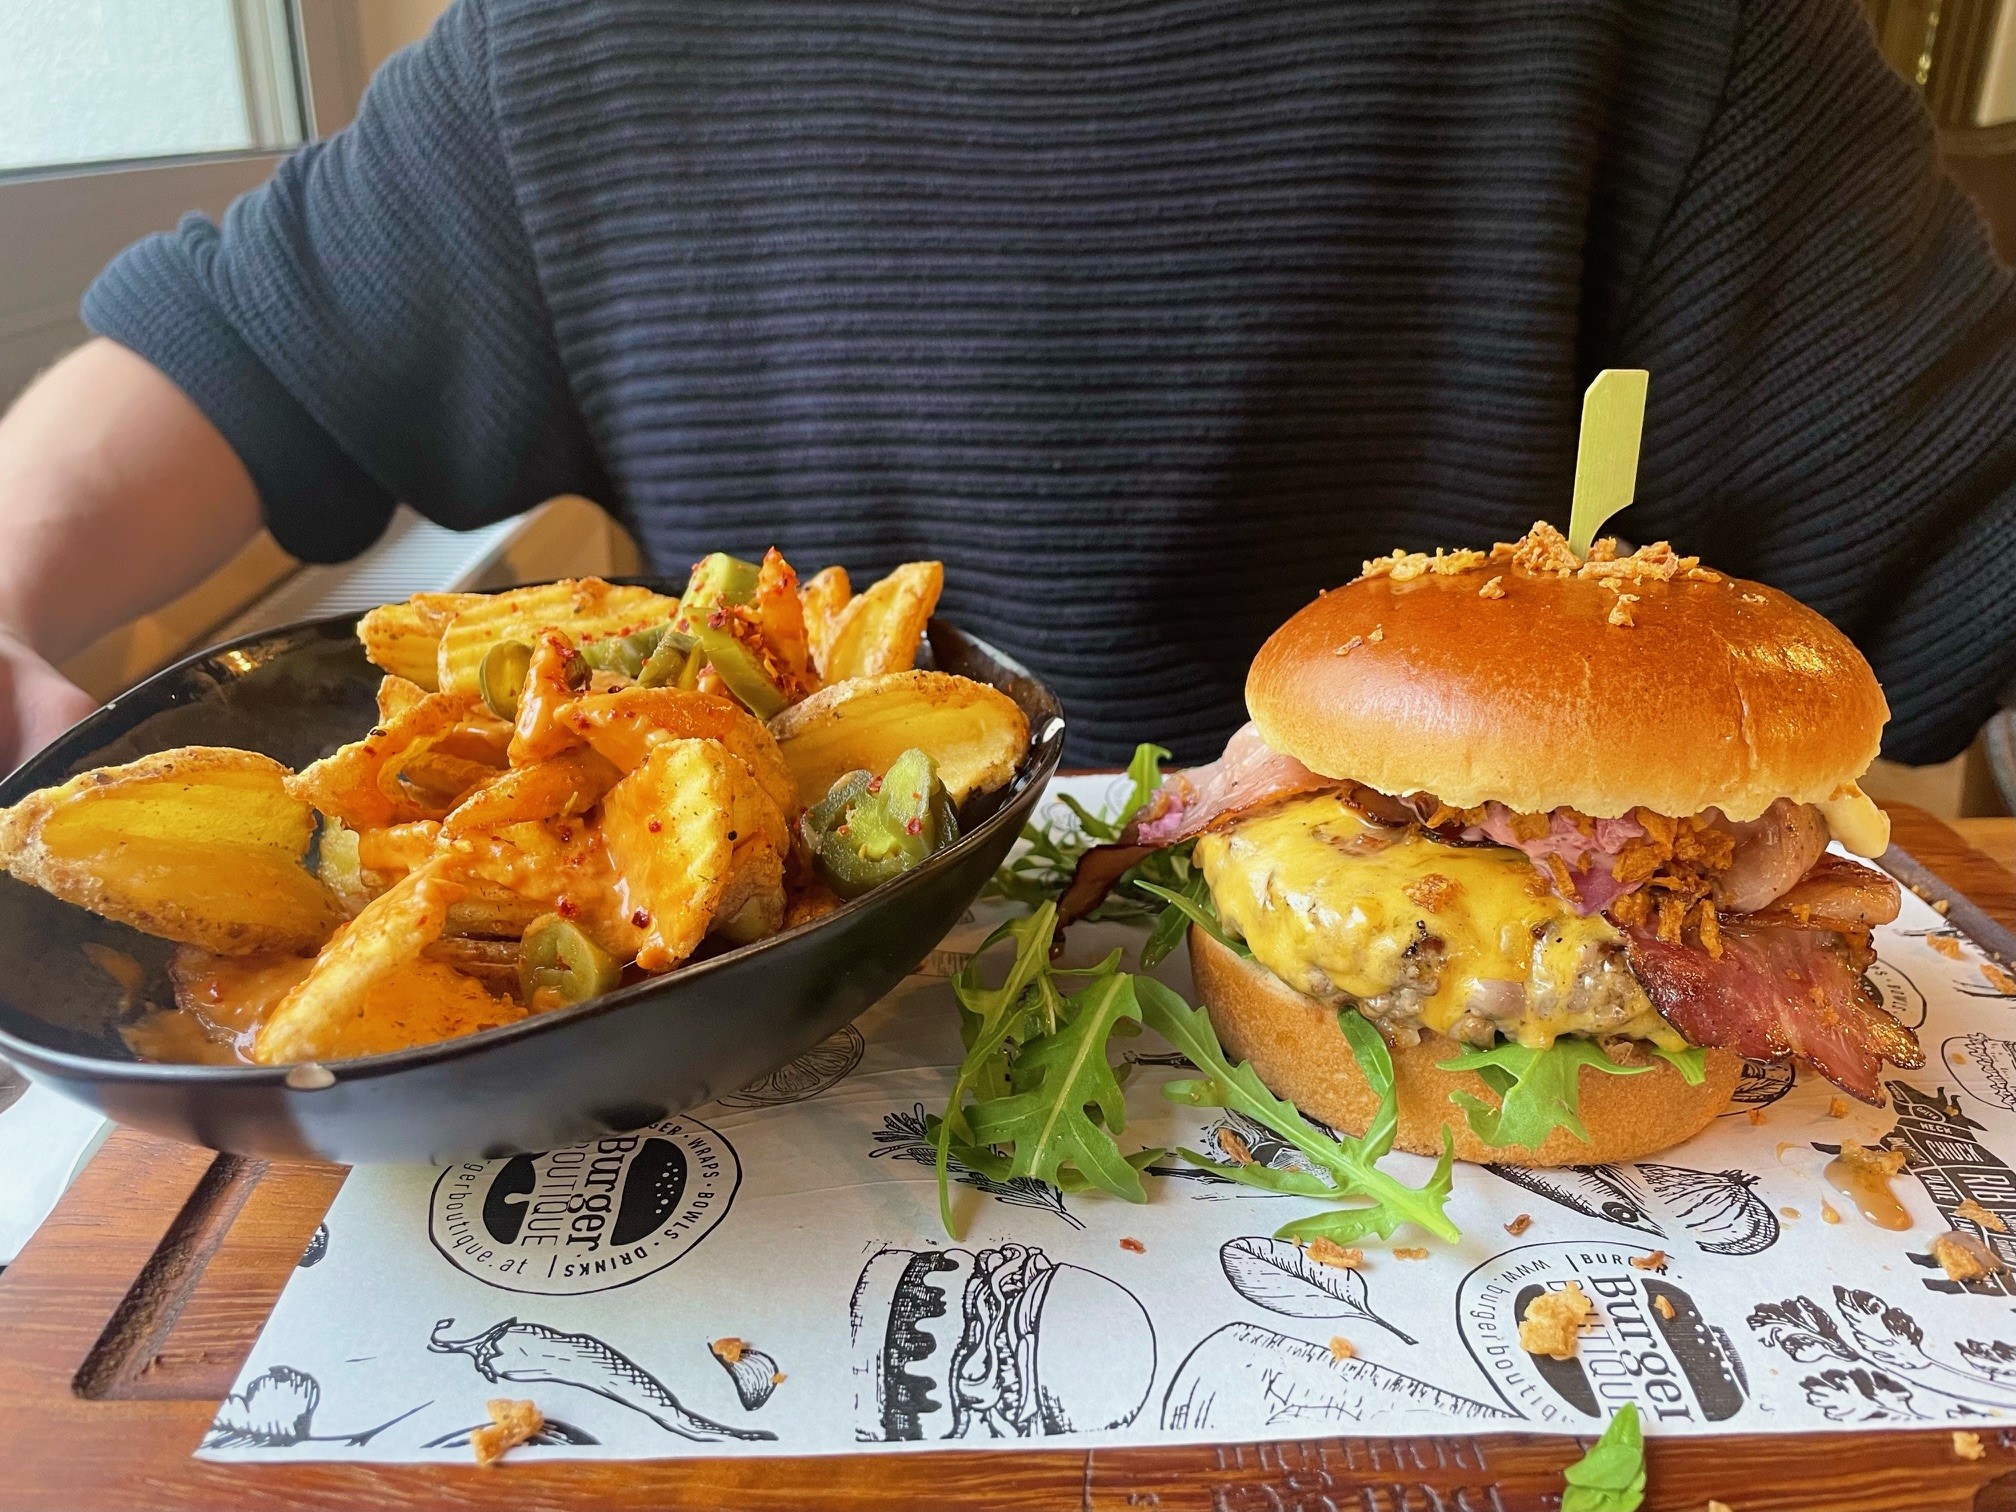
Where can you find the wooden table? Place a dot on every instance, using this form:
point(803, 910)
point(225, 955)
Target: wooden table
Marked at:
point(125, 1321)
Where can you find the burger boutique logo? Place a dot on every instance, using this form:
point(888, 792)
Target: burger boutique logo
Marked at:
point(1647, 1342)
point(589, 1217)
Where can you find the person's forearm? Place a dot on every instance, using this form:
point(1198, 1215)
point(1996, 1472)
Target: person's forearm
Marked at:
point(116, 494)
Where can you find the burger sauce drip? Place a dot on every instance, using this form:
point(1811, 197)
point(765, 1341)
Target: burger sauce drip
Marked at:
point(1869, 1189)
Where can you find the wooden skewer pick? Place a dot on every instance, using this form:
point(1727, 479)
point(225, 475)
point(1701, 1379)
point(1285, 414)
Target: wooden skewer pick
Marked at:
point(1606, 462)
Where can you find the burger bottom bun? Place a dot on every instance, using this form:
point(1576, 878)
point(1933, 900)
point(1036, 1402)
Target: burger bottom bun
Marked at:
point(1299, 1051)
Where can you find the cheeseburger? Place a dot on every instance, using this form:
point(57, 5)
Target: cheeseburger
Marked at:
point(1519, 801)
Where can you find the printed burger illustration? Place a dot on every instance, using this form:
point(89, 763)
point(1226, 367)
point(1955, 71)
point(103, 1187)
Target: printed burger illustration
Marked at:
point(994, 1343)
point(1558, 824)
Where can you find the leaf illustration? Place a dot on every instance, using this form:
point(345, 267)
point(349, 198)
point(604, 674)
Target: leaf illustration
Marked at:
point(1992, 1357)
point(1887, 1335)
point(910, 1136)
point(1059, 1082)
point(1279, 1276)
point(277, 1410)
point(1802, 1328)
point(1861, 1396)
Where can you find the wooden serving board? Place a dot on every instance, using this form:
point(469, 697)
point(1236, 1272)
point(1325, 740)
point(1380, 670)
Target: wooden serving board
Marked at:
point(126, 1319)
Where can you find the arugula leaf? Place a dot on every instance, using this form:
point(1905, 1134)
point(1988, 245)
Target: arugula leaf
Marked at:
point(1145, 772)
point(1348, 1163)
point(990, 1021)
point(1539, 1091)
point(1067, 1106)
point(1196, 908)
point(1611, 1476)
point(1042, 869)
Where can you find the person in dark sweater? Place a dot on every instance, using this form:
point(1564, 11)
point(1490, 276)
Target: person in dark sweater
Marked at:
point(1149, 317)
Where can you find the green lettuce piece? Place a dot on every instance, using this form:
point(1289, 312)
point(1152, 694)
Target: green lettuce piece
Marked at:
point(1349, 1164)
point(1611, 1476)
point(1066, 1106)
point(1539, 1091)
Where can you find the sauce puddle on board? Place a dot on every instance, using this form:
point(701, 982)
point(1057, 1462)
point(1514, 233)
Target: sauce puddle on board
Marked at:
point(1869, 1190)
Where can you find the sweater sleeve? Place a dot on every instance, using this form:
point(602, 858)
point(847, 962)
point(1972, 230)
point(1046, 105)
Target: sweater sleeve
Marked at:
point(368, 326)
point(1833, 354)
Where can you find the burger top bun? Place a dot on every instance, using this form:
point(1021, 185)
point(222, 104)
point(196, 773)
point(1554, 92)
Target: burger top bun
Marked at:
point(1525, 676)
point(1297, 1049)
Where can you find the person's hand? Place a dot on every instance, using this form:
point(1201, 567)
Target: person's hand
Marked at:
point(37, 703)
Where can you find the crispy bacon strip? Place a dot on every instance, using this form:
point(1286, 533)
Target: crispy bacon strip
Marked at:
point(1836, 894)
point(1777, 991)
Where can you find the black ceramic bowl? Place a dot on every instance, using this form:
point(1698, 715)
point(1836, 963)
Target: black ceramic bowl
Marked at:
point(616, 1063)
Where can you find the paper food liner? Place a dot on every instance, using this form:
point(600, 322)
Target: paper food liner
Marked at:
point(800, 1219)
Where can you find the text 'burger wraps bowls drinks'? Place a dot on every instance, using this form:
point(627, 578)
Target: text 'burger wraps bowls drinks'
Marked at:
point(1559, 827)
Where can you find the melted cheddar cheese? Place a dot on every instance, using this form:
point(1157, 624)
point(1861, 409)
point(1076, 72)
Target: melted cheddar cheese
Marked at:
point(1332, 905)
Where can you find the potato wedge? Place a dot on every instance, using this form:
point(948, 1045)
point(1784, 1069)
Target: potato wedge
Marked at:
point(405, 639)
point(517, 872)
point(879, 631)
point(780, 614)
point(667, 826)
point(974, 733)
point(396, 695)
point(370, 991)
point(581, 609)
point(203, 845)
point(568, 784)
point(822, 598)
point(416, 765)
point(625, 725)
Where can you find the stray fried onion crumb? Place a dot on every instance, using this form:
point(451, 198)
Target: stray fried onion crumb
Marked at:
point(1877, 1162)
point(1405, 566)
point(1330, 1252)
point(1494, 589)
point(1378, 634)
point(728, 1351)
point(1656, 1261)
point(777, 1378)
point(1837, 1107)
point(1757, 1115)
point(511, 1424)
point(1340, 1349)
point(1968, 1445)
point(1620, 612)
point(1553, 1322)
point(1235, 1148)
point(1410, 1252)
point(1519, 1225)
point(1973, 1212)
point(1947, 946)
point(1963, 1257)
point(1433, 891)
point(1663, 1305)
point(1134, 1246)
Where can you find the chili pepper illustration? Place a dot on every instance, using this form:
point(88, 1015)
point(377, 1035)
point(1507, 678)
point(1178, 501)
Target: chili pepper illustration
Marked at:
point(532, 1352)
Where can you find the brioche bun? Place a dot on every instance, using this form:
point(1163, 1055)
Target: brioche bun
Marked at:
point(1296, 1047)
point(1720, 693)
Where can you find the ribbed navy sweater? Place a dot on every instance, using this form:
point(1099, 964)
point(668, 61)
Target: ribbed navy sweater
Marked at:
point(1148, 317)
